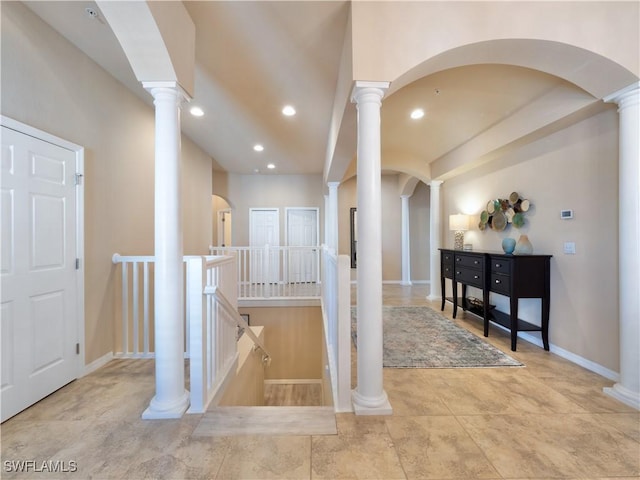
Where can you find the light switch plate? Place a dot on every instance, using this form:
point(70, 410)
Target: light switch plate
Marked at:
point(570, 248)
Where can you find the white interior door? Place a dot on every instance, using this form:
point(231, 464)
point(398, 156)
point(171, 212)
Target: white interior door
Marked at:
point(39, 320)
point(302, 231)
point(264, 227)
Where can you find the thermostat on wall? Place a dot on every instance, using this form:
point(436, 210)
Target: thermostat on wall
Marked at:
point(566, 214)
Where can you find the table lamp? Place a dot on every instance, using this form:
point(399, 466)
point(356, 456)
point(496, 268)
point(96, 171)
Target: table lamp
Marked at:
point(458, 223)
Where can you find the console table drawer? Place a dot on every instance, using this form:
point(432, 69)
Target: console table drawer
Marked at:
point(472, 261)
point(500, 284)
point(447, 271)
point(447, 258)
point(500, 265)
point(469, 276)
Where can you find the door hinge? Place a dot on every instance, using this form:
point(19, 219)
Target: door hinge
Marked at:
point(77, 349)
point(78, 178)
point(77, 264)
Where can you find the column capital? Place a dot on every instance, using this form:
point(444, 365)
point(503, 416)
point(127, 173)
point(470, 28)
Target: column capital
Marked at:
point(626, 97)
point(405, 196)
point(159, 88)
point(333, 184)
point(368, 91)
point(435, 183)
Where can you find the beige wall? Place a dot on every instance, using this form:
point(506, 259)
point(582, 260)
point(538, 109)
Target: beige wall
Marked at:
point(391, 217)
point(272, 191)
point(419, 217)
point(572, 169)
point(49, 84)
point(246, 388)
point(293, 336)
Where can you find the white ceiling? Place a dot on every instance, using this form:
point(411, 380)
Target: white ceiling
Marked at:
point(252, 58)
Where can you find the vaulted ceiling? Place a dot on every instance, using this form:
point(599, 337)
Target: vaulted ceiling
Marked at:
point(253, 58)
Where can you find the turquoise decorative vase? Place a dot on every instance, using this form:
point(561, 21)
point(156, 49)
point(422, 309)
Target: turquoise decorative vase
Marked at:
point(508, 245)
point(523, 247)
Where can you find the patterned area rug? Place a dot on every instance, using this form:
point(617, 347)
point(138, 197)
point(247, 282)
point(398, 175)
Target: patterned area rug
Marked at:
point(419, 337)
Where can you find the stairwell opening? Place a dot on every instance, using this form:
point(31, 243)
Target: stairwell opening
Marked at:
point(296, 376)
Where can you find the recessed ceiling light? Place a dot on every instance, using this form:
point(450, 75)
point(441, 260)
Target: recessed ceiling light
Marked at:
point(91, 12)
point(196, 111)
point(417, 113)
point(288, 111)
point(258, 148)
point(271, 166)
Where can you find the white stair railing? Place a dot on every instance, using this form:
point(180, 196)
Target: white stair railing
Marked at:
point(211, 320)
point(212, 290)
point(212, 327)
point(136, 306)
point(336, 310)
point(275, 272)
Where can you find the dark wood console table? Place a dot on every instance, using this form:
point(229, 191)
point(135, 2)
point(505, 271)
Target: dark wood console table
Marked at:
point(515, 276)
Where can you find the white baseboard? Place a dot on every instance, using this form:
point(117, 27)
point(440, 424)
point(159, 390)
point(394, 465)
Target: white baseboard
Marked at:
point(96, 364)
point(279, 302)
point(295, 381)
point(566, 354)
point(572, 357)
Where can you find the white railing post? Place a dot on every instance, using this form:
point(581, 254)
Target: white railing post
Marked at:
point(198, 374)
point(135, 295)
point(125, 309)
point(343, 300)
point(145, 307)
point(266, 272)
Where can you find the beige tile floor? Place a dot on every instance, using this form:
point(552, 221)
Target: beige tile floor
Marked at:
point(546, 420)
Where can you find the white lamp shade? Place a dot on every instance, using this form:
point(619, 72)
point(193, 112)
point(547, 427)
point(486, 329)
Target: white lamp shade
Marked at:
point(458, 222)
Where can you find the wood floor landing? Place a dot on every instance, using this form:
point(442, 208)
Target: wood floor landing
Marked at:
point(230, 421)
point(293, 394)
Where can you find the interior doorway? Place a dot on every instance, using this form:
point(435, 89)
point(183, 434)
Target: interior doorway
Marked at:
point(42, 290)
point(264, 234)
point(224, 228)
point(302, 231)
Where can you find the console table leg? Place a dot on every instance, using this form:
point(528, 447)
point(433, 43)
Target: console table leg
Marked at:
point(485, 311)
point(545, 323)
point(455, 298)
point(442, 290)
point(514, 322)
point(464, 296)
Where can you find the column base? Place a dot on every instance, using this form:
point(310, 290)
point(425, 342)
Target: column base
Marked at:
point(161, 412)
point(367, 406)
point(406, 283)
point(623, 395)
point(434, 298)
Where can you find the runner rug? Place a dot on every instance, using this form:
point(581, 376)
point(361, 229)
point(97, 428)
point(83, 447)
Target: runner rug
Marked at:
point(420, 337)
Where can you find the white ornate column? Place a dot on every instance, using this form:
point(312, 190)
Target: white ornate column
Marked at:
point(327, 233)
point(627, 390)
point(333, 215)
point(369, 397)
point(406, 242)
point(435, 234)
point(171, 399)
